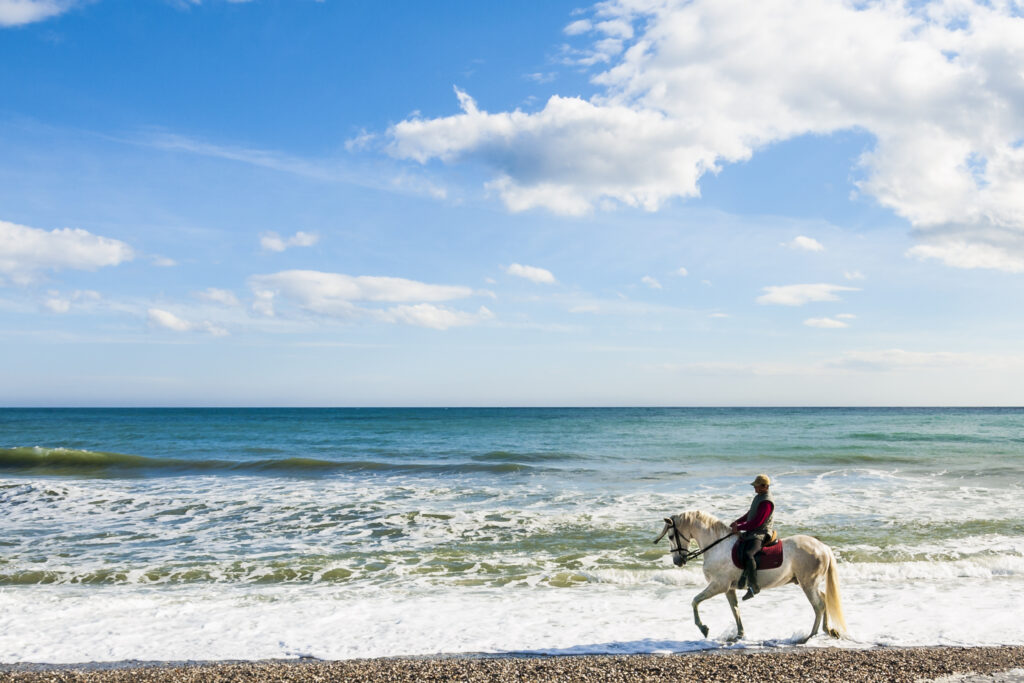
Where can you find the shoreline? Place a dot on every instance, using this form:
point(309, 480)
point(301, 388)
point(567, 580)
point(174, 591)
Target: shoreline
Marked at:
point(790, 664)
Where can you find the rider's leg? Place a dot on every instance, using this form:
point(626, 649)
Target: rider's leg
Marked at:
point(754, 544)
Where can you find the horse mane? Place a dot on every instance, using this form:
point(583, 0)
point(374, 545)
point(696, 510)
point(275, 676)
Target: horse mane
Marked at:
point(704, 519)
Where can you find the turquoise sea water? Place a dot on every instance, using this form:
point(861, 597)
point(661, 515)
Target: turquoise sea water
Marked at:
point(343, 518)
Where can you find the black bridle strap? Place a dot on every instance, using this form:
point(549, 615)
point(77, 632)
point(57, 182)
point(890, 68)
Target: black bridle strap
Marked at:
point(693, 554)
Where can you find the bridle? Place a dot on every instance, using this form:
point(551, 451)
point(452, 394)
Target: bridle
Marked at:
point(684, 549)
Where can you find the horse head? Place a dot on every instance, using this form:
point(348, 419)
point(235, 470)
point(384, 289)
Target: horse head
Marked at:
point(679, 544)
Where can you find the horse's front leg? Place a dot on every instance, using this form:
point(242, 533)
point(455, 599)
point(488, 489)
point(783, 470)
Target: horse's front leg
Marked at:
point(709, 592)
point(734, 605)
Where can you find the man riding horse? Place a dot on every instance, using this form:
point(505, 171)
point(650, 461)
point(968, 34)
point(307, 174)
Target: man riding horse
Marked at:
point(754, 528)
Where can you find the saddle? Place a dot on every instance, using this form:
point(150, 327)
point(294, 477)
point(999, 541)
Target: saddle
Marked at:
point(769, 557)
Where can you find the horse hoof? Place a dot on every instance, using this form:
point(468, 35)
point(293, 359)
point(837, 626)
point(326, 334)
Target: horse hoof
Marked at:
point(834, 633)
point(704, 630)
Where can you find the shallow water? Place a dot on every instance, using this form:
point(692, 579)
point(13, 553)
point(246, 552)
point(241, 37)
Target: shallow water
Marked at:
point(210, 534)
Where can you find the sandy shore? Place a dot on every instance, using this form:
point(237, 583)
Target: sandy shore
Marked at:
point(848, 666)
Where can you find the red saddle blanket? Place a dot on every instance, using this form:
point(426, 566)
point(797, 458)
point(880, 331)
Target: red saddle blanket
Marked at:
point(770, 556)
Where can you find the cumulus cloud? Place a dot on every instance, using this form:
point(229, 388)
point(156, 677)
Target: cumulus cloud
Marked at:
point(798, 295)
point(682, 272)
point(271, 241)
point(20, 12)
point(345, 296)
point(532, 273)
point(691, 86)
point(25, 251)
point(825, 323)
point(805, 243)
point(169, 321)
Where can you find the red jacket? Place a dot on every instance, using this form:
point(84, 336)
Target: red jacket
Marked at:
point(763, 512)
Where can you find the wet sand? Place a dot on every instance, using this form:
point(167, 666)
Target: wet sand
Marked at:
point(817, 664)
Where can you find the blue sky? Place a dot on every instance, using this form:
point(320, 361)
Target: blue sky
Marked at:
point(639, 202)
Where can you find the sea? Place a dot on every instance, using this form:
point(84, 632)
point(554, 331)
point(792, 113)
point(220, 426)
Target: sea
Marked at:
point(242, 534)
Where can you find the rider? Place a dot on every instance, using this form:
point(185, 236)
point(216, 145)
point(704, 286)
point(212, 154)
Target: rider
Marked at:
point(754, 528)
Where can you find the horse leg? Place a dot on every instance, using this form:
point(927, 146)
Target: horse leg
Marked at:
point(709, 592)
point(817, 601)
point(734, 605)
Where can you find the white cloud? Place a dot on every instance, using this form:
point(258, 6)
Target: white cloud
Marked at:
point(20, 12)
point(577, 27)
point(532, 273)
point(344, 296)
point(542, 77)
point(219, 296)
point(61, 303)
point(846, 316)
point(682, 272)
point(853, 275)
point(719, 315)
point(24, 251)
point(436, 317)
point(963, 254)
point(805, 243)
point(825, 323)
point(58, 305)
point(167, 320)
point(164, 262)
point(271, 241)
point(710, 82)
point(651, 282)
point(798, 295)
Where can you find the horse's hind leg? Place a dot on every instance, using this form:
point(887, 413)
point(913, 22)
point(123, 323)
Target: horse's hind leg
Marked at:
point(734, 605)
point(817, 601)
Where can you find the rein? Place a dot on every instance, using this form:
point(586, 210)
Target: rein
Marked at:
point(694, 554)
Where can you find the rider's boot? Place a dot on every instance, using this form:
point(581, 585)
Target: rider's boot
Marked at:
point(751, 574)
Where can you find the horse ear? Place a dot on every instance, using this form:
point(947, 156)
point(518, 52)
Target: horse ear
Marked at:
point(668, 521)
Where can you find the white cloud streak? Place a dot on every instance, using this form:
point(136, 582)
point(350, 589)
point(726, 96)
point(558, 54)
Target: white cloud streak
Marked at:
point(345, 297)
point(798, 295)
point(271, 241)
point(219, 296)
point(169, 321)
point(21, 12)
point(825, 323)
point(805, 243)
point(531, 273)
point(25, 251)
point(650, 282)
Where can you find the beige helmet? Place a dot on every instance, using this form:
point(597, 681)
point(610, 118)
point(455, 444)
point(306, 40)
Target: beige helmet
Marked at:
point(761, 480)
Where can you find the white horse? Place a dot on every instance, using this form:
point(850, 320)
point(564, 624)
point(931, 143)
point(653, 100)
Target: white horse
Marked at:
point(805, 561)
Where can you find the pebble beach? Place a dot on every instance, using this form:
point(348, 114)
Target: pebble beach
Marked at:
point(817, 664)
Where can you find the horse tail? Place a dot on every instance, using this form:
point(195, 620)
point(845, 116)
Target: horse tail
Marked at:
point(833, 600)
